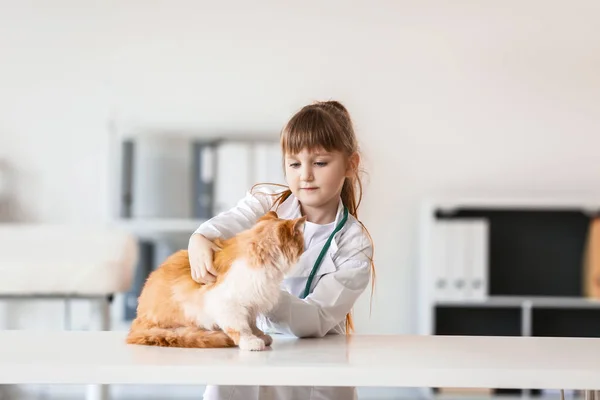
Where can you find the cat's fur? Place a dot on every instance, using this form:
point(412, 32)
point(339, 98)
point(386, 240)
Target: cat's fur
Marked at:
point(176, 311)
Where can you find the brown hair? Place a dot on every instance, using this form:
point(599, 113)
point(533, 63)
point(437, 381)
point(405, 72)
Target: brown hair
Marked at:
point(327, 125)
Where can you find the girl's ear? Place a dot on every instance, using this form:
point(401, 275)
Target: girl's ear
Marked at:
point(352, 165)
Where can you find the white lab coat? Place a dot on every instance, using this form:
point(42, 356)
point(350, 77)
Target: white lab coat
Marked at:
point(342, 277)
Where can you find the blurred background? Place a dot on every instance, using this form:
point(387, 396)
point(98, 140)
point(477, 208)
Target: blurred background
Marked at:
point(149, 117)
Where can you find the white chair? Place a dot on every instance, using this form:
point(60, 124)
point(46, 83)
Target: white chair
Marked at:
point(67, 262)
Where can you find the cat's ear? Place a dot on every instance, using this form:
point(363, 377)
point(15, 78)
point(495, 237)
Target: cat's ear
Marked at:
point(268, 216)
point(298, 225)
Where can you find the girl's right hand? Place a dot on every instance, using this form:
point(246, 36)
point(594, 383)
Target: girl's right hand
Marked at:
point(201, 254)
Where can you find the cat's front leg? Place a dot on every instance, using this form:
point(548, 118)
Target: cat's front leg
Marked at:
point(246, 340)
point(257, 332)
point(240, 331)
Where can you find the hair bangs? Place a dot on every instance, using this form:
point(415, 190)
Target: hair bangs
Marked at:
point(311, 129)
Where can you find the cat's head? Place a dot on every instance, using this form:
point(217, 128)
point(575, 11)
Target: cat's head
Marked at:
point(279, 241)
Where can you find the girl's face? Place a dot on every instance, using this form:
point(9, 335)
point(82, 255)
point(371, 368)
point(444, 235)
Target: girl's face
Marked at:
point(316, 177)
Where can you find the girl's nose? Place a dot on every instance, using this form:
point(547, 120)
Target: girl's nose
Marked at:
point(306, 174)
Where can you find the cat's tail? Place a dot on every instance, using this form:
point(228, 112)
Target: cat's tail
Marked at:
point(179, 337)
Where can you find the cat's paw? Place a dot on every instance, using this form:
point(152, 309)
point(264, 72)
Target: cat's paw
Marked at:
point(251, 343)
point(269, 340)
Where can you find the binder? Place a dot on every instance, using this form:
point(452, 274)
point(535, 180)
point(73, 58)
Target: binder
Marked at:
point(460, 259)
point(204, 171)
point(477, 253)
point(457, 258)
point(441, 276)
point(127, 174)
point(162, 169)
point(268, 163)
point(234, 174)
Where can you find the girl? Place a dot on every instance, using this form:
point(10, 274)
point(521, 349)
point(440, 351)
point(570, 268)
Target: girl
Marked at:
point(321, 169)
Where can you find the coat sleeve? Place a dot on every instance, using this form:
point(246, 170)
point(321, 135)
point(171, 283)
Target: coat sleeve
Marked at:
point(332, 298)
point(239, 218)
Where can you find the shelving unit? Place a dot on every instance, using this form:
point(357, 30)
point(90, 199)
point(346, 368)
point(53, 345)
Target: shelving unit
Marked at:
point(165, 184)
point(169, 182)
point(534, 271)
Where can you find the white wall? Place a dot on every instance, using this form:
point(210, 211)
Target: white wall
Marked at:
point(446, 96)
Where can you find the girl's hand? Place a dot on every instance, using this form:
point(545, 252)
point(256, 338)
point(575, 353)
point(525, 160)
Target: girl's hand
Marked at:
point(201, 254)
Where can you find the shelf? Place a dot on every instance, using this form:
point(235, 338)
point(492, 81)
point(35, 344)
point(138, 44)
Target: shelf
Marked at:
point(525, 244)
point(473, 320)
point(561, 322)
point(151, 227)
point(517, 301)
point(535, 276)
point(589, 204)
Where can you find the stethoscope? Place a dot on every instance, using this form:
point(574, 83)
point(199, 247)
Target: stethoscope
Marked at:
point(315, 267)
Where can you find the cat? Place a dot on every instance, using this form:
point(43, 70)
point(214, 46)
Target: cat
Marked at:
point(176, 311)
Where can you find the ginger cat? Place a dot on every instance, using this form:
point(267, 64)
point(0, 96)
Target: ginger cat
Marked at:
point(176, 311)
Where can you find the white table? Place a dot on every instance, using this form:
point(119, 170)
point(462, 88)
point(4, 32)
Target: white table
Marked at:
point(85, 357)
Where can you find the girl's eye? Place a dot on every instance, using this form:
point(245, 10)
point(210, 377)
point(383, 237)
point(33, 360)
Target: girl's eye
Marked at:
point(321, 164)
point(295, 165)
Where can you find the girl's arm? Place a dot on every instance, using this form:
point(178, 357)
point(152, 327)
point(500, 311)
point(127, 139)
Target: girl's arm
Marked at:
point(225, 225)
point(327, 306)
point(239, 218)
